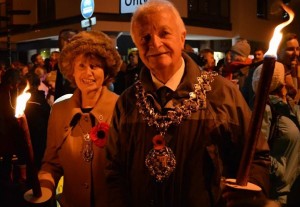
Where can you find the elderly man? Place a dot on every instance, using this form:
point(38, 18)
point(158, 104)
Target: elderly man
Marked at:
point(178, 130)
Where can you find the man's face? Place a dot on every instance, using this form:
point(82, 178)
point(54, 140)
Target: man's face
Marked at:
point(291, 54)
point(54, 56)
point(160, 42)
point(133, 59)
point(258, 56)
point(210, 61)
point(40, 60)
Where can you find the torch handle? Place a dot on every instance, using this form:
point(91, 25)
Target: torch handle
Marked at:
point(32, 172)
point(254, 129)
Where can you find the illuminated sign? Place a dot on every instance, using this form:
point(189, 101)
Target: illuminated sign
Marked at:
point(87, 8)
point(129, 6)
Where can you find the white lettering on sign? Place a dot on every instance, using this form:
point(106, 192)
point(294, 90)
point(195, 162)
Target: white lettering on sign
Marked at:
point(129, 6)
point(88, 10)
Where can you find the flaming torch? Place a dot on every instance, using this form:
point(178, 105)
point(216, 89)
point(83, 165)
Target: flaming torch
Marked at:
point(261, 97)
point(34, 195)
point(19, 114)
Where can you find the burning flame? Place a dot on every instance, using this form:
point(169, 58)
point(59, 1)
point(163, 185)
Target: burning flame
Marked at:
point(21, 102)
point(277, 35)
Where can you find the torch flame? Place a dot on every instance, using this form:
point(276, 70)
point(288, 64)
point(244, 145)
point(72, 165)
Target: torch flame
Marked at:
point(277, 35)
point(21, 102)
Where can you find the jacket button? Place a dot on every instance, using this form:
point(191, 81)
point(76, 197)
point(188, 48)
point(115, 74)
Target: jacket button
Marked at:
point(66, 128)
point(86, 118)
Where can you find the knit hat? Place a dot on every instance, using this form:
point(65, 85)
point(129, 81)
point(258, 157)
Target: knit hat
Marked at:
point(91, 43)
point(242, 48)
point(277, 79)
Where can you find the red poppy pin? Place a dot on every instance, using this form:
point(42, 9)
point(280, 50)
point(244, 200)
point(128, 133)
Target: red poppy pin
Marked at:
point(99, 134)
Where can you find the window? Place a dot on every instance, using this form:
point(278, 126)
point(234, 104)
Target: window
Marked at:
point(209, 13)
point(46, 10)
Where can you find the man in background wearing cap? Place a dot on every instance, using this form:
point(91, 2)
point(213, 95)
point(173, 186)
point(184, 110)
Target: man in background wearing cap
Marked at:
point(281, 128)
point(238, 69)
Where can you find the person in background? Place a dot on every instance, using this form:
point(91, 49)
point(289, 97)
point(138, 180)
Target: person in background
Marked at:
point(37, 61)
point(50, 82)
point(13, 147)
point(42, 74)
point(247, 90)
point(15, 65)
point(126, 78)
point(282, 130)
point(78, 127)
point(62, 85)
point(238, 69)
point(178, 130)
point(288, 55)
point(51, 62)
point(258, 55)
point(119, 84)
point(24, 69)
point(133, 68)
point(207, 59)
point(190, 51)
point(223, 62)
point(133, 60)
point(37, 113)
point(188, 48)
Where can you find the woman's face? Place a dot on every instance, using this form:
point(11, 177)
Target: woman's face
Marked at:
point(88, 73)
point(292, 53)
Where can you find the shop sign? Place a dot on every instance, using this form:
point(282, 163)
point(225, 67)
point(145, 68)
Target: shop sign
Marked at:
point(129, 6)
point(87, 8)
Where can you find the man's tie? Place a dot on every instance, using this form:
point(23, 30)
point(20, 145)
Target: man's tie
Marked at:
point(164, 94)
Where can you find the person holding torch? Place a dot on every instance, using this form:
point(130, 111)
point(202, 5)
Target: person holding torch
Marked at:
point(13, 147)
point(179, 130)
point(78, 127)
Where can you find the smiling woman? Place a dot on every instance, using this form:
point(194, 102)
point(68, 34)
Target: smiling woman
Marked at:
point(89, 77)
point(94, 44)
point(76, 141)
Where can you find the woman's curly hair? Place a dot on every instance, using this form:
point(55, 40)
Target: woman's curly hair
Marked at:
point(90, 44)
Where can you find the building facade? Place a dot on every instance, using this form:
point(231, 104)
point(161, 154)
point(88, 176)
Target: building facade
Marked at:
point(210, 23)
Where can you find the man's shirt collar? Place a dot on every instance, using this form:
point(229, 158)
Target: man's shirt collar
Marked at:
point(174, 81)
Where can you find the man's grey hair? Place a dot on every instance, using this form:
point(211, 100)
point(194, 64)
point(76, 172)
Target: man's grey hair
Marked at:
point(152, 7)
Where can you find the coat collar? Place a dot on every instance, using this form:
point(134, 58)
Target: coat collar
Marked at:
point(102, 110)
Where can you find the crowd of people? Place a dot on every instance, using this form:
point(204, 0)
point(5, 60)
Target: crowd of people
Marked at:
point(165, 129)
